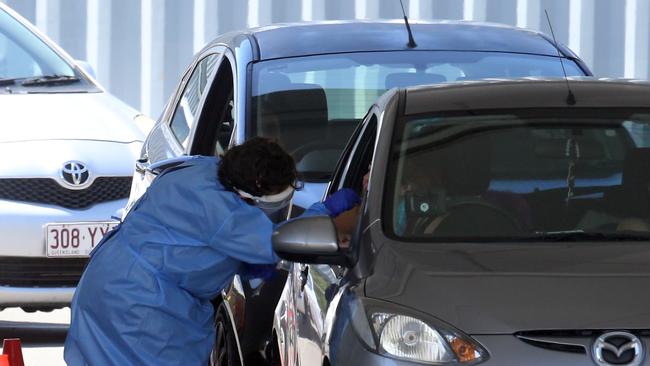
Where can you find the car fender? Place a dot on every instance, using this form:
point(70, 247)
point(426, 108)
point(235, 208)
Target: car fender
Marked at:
point(282, 321)
point(330, 322)
point(233, 299)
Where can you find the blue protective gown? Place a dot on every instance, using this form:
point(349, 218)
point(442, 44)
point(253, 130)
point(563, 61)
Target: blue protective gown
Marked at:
point(144, 298)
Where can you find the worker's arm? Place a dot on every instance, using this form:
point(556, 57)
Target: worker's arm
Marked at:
point(337, 203)
point(246, 236)
point(265, 271)
point(343, 207)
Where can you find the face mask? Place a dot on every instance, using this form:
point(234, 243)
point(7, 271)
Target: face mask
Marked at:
point(275, 206)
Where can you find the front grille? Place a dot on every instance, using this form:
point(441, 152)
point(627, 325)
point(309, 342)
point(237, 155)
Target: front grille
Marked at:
point(40, 271)
point(572, 341)
point(48, 191)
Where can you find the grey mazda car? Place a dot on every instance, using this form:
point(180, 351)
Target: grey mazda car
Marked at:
point(502, 223)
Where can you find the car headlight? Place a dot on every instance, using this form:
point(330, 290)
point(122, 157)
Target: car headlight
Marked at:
point(404, 334)
point(410, 338)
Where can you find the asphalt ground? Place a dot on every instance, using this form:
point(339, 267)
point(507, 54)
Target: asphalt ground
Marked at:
point(41, 333)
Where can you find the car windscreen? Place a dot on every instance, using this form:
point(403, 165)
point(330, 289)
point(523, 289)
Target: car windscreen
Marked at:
point(312, 104)
point(23, 55)
point(548, 174)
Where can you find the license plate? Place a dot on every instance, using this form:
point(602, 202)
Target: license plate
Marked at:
point(75, 239)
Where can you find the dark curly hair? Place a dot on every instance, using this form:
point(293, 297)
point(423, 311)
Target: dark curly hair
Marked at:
point(259, 166)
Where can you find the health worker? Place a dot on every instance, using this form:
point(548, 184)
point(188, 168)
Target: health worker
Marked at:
point(145, 296)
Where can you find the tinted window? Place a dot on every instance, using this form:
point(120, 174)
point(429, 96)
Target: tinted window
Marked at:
point(520, 174)
point(312, 104)
point(187, 109)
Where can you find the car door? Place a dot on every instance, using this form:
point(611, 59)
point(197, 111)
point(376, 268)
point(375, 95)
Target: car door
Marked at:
point(196, 106)
point(315, 286)
point(168, 137)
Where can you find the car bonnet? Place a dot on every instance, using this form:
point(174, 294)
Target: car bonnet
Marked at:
point(502, 288)
point(67, 116)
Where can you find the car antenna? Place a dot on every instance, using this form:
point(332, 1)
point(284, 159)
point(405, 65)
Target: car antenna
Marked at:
point(411, 43)
point(570, 99)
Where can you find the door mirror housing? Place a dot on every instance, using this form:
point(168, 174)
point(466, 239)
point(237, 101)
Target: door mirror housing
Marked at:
point(86, 67)
point(308, 240)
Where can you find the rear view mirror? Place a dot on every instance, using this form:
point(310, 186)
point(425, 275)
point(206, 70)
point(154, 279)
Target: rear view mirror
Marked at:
point(557, 149)
point(308, 240)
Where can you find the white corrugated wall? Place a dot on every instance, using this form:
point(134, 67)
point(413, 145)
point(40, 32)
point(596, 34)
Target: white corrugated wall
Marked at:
point(140, 47)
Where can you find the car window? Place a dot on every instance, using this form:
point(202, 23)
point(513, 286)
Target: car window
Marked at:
point(343, 163)
point(521, 174)
point(312, 104)
point(225, 124)
point(188, 105)
point(24, 55)
point(640, 132)
point(359, 161)
point(216, 121)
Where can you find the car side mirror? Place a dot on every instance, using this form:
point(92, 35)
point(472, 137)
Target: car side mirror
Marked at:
point(85, 66)
point(308, 240)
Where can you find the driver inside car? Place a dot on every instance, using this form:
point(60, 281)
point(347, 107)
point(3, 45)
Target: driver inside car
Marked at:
point(446, 192)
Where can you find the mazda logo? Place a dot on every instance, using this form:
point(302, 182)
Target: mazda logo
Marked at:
point(618, 348)
point(75, 174)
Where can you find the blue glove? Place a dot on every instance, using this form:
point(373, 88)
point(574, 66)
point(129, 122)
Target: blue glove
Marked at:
point(250, 271)
point(341, 201)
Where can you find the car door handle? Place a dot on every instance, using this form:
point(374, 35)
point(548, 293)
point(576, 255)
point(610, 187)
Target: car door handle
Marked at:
point(302, 276)
point(141, 165)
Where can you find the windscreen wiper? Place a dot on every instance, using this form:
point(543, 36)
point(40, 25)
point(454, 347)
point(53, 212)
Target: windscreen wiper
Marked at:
point(8, 81)
point(580, 235)
point(47, 80)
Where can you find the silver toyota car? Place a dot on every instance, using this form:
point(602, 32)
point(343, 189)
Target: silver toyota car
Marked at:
point(67, 149)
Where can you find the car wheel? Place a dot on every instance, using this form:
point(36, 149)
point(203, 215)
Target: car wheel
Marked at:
point(224, 352)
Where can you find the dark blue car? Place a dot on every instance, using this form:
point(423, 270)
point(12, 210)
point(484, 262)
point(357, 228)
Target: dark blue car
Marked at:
point(308, 86)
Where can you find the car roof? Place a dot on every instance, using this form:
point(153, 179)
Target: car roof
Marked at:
point(326, 37)
point(523, 93)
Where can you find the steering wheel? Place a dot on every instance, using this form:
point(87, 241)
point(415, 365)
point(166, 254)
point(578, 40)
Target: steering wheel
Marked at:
point(473, 218)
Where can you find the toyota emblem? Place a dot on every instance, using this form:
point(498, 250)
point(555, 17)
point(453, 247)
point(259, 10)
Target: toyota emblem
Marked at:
point(618, 348)
point(75, 174)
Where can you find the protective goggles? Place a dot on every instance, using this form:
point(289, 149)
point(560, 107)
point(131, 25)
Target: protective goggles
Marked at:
point(270, 202)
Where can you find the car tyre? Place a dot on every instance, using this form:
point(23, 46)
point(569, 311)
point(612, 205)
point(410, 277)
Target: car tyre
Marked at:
point(224, 351)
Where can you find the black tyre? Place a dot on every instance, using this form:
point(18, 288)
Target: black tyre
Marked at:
point(224, 352)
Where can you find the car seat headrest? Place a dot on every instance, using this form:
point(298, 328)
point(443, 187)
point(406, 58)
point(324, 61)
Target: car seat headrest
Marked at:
point(271, 82)
point(296, 117)
point(304, 104)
